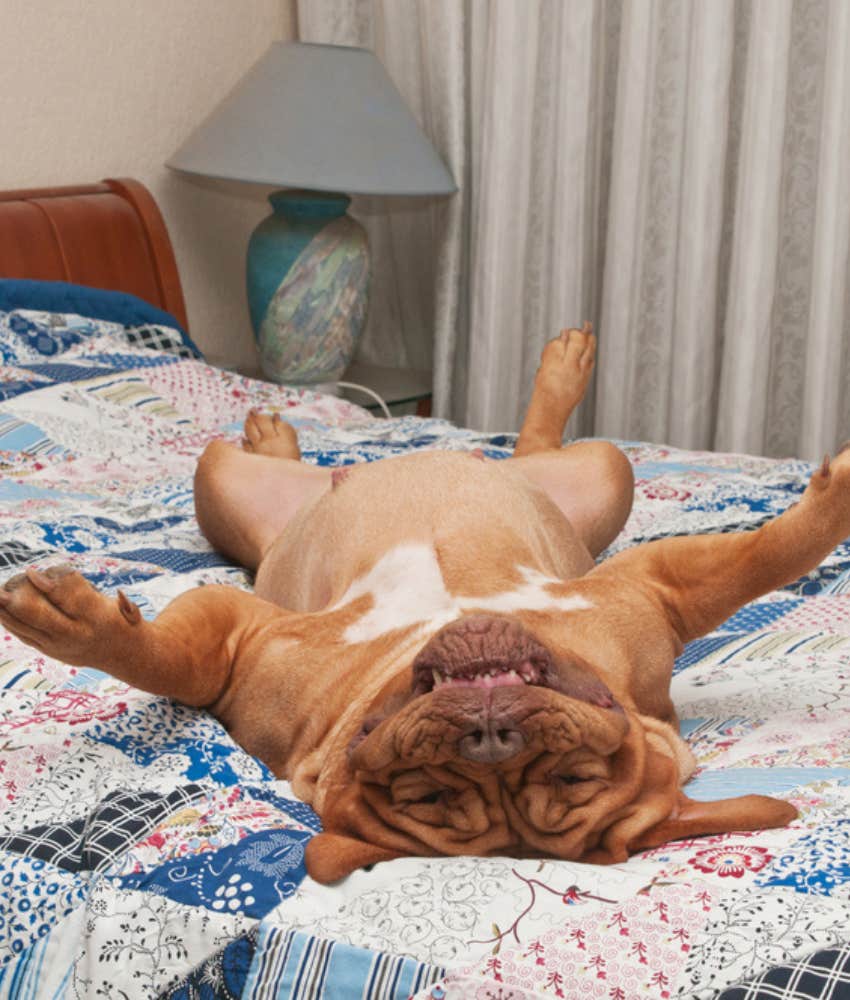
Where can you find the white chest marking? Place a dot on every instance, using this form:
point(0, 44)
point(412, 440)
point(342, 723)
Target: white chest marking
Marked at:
point(407, 588)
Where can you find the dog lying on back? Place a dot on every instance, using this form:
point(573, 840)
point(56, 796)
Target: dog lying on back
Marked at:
point(433, 660)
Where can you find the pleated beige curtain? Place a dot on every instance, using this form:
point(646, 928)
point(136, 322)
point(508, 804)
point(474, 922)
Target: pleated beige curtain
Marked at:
point(675, 170)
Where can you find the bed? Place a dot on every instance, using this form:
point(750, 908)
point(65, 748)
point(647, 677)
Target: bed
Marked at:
point(144, 854)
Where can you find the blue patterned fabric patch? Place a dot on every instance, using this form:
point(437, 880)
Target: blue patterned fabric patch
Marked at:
point(176, 560)
point(292, 965)
point(699, 649)
point(85, 533)
point(778, 781)
point(110, 581)
point(139, 527)
point(759, 615)
point(24, 333)
point(222, 976)
point(122, 362)
point(35, 895)
point(654, 470)
point(822, 579)
point(819, 862)
point(65, 372)
point(250, 877)
point(160, 728)
point(298, 810)
point(18, 435)
point(11, 491)
point(206, 758)
point(16, 387)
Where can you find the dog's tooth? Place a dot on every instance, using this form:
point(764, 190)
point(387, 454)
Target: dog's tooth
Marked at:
point(438, 680)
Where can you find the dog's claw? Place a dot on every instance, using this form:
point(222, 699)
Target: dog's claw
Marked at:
point(14, 582)
point(41, 581)
point(128, 609)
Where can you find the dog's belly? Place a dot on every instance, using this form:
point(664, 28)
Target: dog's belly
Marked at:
point(425, 525)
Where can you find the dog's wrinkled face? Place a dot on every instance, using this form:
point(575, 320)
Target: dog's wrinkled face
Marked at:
point(498, 746)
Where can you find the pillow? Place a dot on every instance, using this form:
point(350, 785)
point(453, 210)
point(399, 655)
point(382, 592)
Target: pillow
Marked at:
point(80, 300)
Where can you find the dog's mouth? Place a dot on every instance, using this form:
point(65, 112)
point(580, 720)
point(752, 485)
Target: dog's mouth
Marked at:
point(487, 652)
point(484, 674)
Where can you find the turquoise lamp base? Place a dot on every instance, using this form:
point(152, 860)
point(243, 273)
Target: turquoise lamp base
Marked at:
point(308, 287)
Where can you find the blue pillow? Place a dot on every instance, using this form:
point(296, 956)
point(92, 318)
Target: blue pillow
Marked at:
point(95, 303)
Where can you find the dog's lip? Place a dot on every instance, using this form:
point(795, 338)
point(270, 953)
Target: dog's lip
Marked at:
point(486, 675)
point(481, 674)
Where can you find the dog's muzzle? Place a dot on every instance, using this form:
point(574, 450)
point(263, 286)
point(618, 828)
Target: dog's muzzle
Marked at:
point(488, 653)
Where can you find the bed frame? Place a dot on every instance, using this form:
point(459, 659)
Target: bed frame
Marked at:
point(109, 235)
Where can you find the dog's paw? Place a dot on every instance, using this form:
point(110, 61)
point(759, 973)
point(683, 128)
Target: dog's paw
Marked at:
point(566, 365)
point(833, 474)
point(58, 612)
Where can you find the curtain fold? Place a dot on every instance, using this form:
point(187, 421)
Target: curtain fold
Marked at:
point(674, 170)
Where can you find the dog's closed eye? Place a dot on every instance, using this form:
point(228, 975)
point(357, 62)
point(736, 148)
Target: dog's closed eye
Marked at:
point(417, 789)
point(577, 788)
point(429, 799)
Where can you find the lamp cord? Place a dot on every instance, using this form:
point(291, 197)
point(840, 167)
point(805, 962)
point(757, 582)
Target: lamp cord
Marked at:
point(369, 392)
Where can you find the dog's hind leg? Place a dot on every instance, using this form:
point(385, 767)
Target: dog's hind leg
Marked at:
point(566, 365)
point(244, 500)
point(267, 434)
point(591, 481)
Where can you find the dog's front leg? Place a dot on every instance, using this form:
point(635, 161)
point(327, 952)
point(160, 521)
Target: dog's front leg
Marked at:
point(186, 653)
point(703, 579)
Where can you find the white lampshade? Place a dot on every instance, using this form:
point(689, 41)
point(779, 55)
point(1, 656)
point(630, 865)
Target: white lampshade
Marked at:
point(323, 117)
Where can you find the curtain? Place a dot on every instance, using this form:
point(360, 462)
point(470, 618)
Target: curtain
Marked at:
point(677, 171)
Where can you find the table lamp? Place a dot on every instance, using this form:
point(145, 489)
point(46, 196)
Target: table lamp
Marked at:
point(322, 120)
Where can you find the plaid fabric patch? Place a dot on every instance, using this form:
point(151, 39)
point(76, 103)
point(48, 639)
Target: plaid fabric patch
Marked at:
point(825, 975)
point(158, 338)
point(19, 554)
point(91, 843)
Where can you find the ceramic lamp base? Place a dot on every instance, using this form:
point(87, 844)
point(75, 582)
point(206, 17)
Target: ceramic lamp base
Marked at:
point(308, 287)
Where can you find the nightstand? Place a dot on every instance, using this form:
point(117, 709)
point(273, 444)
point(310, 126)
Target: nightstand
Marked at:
point(398, 387)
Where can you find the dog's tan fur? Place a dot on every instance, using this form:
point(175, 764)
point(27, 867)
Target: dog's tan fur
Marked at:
point(316, 673)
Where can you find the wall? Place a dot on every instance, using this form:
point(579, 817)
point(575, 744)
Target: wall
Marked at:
point(109, 88)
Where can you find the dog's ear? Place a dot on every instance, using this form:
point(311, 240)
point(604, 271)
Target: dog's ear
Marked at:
point(694, 819)
point(332, 856)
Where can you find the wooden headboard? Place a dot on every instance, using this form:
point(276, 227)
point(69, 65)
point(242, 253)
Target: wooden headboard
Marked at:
point(109, 235)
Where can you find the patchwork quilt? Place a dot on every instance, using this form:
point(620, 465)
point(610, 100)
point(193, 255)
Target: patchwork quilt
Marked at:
point(144, 854)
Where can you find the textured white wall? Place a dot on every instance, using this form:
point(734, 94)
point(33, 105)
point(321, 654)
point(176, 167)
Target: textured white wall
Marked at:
point(109, 88)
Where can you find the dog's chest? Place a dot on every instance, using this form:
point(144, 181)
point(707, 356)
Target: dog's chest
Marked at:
point(407, 587)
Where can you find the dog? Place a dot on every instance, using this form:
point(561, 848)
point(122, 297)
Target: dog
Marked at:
point(432, 657)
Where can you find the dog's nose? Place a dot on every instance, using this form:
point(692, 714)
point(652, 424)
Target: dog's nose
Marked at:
point(491, 742)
